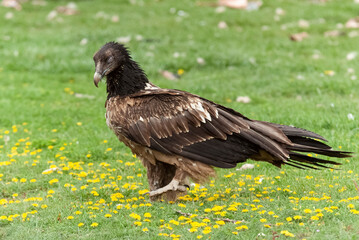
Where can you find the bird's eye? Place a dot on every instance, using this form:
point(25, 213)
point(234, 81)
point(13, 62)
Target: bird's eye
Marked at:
point(110, 59)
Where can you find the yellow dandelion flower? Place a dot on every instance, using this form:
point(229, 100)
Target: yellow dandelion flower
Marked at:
point(145, 229)
point(147, 215)
point(138, 223)
point(94, 224)
point(135, 216)
point(108, 215)
point(70, 217)
point(80, 224)
point(55, 180)
point(263, 220)
point(199, 236)
point(289, 219)
point(315, 218)
point(307, 211)
point(220, 222)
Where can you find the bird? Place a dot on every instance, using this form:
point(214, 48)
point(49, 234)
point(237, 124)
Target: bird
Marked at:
point(181, 136)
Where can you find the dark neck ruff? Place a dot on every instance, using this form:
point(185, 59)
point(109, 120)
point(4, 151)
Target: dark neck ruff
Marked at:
point(126, 80)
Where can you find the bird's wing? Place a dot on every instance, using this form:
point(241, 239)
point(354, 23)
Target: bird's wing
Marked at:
point(176, 122)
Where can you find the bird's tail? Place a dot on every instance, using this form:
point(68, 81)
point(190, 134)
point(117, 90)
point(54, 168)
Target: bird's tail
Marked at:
point(306, 148)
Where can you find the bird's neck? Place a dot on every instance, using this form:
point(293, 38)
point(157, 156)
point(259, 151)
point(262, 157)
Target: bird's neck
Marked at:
point(126, 80)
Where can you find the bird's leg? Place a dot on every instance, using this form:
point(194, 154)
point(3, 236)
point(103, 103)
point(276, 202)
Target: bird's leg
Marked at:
point(178, 183)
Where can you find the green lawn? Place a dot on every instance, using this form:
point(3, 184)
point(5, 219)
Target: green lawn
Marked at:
point(63, 174)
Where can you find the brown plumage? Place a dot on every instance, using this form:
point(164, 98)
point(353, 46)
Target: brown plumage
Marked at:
point(179, 135)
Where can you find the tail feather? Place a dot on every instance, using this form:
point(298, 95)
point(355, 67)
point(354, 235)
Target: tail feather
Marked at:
point(304, 141)
point(298, 132)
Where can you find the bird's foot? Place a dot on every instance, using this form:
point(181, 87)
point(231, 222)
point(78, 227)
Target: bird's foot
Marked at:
point(172, 186)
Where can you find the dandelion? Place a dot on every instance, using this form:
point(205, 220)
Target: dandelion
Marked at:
point(135, 216)
point(307, 211)
point(108, 215)
point(138, 223)
point(80, 224)
point(145, 229)
point(94, 224)
point(70, 217)
point(147, 215)
point(55, 180)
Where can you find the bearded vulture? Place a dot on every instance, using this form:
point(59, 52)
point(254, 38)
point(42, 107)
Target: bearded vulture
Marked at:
point(179, 135)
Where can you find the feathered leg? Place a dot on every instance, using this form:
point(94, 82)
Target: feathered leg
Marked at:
point(160, 175)
point(179, 183)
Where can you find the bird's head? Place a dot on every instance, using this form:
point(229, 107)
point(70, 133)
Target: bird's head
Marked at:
point(110, 57)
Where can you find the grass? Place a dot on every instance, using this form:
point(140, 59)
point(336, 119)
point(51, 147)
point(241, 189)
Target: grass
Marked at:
point(63, 174)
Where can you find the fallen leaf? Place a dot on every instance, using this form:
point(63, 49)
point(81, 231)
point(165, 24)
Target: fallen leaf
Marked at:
point(298, 37)
point(52, 15)
point(201, 61)
point(124, 40)
point(245, 167)
point(9, 15)
point(238, 4)
point(353, 34)
point(220, 9)
point(334, 33)
point(11, 4)
point(351, 55)
point(84, 41)
point(243, 99)
point(303, 23)
point(80, 95)
point(352, 23)
point(222, 25)
point(69, 9)
point(279, 11)
point(115, 18)
point(169, 75)
point(350, 116)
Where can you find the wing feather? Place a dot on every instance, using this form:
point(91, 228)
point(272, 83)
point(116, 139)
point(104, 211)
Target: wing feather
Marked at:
point(176, 122)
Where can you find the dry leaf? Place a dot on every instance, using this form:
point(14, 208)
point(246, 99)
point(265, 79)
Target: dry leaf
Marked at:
point(169, 75)
point(69, 9)
point(279, 11)
point(351, 55)
point(298, 37)
point(11, 4)
point(124, 40)
point(334, 33)
point(350, 116)
point(80, 95)
point(238, 4)
point(245, 167)
point(353, 34)
point(84, 41)
point(243, 99)
point(9, 15)
point(303, 23)
point(201, 61)
point(115, 18)
point(222, 25)
point(352, 23)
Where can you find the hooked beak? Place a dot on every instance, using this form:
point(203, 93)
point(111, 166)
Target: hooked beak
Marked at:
point(99, 74)
point(97, 78)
